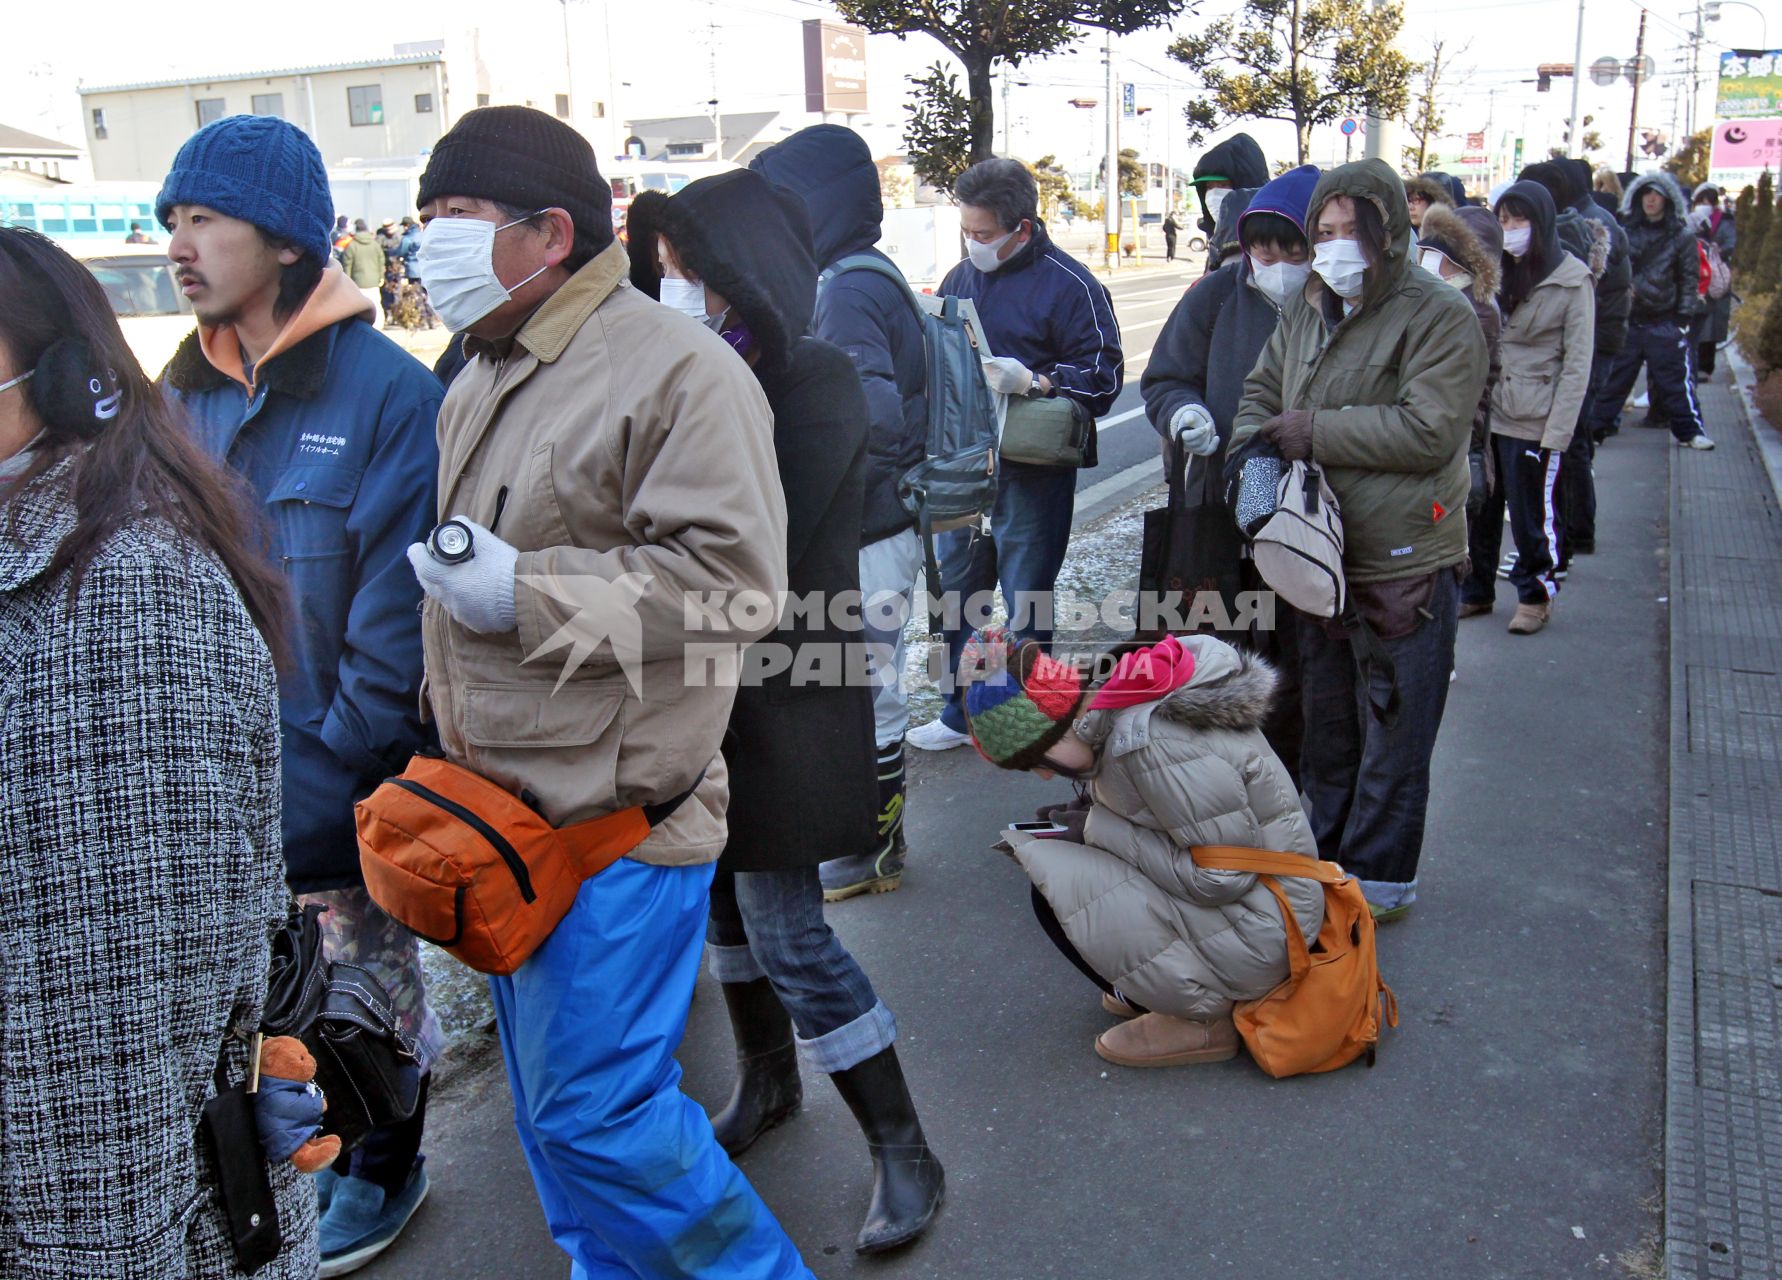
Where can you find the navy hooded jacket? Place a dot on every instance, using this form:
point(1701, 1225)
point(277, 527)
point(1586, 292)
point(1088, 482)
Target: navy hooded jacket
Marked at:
point(1042, 307)
point(866, 315)
point(337, 442)
point(1211, 340)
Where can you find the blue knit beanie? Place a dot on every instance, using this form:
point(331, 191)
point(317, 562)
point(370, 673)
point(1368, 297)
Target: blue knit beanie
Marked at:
point(260, 169)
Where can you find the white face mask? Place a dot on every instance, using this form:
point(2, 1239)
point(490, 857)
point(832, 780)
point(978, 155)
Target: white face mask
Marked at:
point(1279, 281)
point(1462, 280)
point(458, 264)
point(1516, 240)
point(1215, 198)
point(1341, 263)
point(983, 256)
point(685, 296)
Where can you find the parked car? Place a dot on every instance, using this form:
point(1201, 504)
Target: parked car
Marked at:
point(153, 312)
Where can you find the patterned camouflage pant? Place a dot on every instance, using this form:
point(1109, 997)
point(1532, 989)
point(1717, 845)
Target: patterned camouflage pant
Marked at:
point(356, 930)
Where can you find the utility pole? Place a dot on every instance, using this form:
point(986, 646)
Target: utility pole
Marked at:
point(568, 69)
point(1382, 135)
point(1110, 221)
point(1005, 109)
point(1639, 74)
point(717, 115)
point(1574, 142)
point(1695, 71)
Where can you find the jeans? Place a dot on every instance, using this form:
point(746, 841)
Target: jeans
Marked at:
point(769, 924)
point(1663, 347)
point(888, 572)
point(630, 1177)
point(1369, 784)
point(1029, 533)
point(1527, 483)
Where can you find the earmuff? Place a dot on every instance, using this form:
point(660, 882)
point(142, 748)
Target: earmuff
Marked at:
point(71, 393)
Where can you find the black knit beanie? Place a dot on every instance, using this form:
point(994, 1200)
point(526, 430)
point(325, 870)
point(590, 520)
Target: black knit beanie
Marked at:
point(526, 159)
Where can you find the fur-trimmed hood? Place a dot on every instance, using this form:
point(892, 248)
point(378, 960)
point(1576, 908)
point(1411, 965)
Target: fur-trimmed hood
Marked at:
point(1630, 198)
point(1438, 194)
point(1444, 229)
point(1231, 689)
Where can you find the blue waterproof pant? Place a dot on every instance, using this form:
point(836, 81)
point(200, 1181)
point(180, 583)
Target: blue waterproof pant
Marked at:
point(631, 1180)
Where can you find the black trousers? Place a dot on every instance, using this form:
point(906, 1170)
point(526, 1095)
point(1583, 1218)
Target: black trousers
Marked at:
point(1577, 485)
point(1048, 920)
point(1528, 486)
point(1664, 348)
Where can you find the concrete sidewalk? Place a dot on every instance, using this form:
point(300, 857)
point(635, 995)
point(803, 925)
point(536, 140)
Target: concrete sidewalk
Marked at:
point(1723, 1130)
point(1511, 1129)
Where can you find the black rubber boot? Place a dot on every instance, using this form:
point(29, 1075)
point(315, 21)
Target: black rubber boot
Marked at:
point(907, 1179)
point(768, 1091)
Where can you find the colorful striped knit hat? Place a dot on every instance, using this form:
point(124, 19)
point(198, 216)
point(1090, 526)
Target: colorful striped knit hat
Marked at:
point(1019, 702)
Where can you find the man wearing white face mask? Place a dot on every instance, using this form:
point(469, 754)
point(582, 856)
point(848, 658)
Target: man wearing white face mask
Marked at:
point(612, 463)
point(1052, 324)
point(1374, 377)
point(1195, 381)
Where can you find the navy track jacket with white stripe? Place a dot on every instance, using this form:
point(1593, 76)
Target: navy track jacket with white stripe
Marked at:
point(1044, 308)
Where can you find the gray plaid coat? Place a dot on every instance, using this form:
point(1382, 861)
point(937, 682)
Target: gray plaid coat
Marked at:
point(140, 874)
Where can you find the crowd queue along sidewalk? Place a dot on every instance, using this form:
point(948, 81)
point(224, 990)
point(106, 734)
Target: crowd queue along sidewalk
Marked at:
point(310, 656)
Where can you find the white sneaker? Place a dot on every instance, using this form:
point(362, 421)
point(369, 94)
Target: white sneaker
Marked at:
point(1697, 442)
point(935, 736)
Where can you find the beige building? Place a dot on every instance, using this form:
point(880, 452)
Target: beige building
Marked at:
point(390, 108)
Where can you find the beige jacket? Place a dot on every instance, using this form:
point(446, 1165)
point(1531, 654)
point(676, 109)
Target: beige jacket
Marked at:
point(1546, 349)
point(629, 455)
point(1190, 769)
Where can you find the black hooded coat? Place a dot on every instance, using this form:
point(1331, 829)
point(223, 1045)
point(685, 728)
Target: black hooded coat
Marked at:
point(1663, 254)
point(800, 748)
point(1237, 160)
point(831, 169)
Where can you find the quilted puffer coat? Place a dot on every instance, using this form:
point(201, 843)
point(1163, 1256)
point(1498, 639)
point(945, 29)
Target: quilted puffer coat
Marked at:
point(1189, 769)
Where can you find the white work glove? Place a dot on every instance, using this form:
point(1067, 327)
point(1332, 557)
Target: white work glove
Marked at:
point(1007, 376)
point(1193, 426)
point(479, 592)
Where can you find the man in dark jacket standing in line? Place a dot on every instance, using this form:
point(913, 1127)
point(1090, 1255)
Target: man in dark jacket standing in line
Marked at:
point(870, 316)
point(1051, 325)
point(1666, 272)
point(332, 425)
point(1236, 164)
point(1390, 435)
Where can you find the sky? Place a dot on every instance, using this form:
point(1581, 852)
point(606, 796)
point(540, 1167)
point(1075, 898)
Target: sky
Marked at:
point(662, 59)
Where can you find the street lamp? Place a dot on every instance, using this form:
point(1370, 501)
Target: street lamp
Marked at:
point(1711, 12)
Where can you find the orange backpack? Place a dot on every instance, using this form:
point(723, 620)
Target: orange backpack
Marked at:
point(473, 868)
point(1328, 1012)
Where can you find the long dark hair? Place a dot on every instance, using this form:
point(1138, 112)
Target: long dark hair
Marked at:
point(141, 464)
point(1522, 274)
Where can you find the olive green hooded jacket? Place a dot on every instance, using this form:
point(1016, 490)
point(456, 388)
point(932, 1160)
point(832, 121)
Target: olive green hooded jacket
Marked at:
point(1392, 386)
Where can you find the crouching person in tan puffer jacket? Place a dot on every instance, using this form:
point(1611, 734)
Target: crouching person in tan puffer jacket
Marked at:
point(1172, 752)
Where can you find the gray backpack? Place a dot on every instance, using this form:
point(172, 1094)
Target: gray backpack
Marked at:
point(1298, 548)
point(955, 485)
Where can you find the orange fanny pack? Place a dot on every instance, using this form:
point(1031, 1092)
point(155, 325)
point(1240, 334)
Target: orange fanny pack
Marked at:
point(474, 869)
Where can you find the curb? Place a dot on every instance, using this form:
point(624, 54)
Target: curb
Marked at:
point(1769, 442)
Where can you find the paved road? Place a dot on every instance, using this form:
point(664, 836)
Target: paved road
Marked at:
point(1141, 303)
point(1511, 1128)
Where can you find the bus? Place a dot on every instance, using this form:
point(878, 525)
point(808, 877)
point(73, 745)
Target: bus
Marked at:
point(82, 216)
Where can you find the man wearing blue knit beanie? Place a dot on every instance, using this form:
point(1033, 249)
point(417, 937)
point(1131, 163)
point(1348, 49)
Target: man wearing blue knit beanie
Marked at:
point(287, 379)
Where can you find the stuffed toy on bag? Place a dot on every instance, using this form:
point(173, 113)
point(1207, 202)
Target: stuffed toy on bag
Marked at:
point(288, 1107)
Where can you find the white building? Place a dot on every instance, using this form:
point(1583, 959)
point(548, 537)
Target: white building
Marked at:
point(49, 159)
point(392, 107)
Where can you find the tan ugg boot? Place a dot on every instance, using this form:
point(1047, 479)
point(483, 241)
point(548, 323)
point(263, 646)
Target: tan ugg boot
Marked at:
point(1530, 618)
point(1158, 1040)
